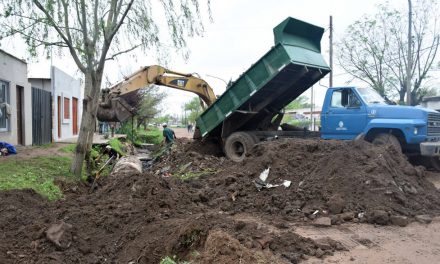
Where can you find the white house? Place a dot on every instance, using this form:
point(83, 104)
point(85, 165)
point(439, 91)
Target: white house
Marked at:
point(431, 102)
point(15, 101)
point(66, 102)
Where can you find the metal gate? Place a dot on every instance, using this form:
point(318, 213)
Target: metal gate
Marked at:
point(41, 117)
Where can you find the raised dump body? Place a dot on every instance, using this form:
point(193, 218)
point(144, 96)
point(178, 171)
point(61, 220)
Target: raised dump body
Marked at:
point(251, 103)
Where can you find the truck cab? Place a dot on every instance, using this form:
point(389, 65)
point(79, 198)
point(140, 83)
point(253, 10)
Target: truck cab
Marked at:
point(352, 111)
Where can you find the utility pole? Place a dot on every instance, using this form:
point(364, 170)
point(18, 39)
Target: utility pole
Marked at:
point(409, 63)
point(331, 51)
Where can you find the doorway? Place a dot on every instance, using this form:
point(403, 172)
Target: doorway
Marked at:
point(75, 116)
point(20, 115)
point(59, 115)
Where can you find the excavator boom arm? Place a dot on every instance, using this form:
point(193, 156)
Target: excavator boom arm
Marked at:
point(113, 106)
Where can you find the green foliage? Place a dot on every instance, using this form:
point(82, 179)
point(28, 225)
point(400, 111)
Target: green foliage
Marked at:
point(185, 173)
point(172, 260)
point(167, 260)
point(93, 32)
point(117, 145)
point(163, 119)
point(130, 130)
point(298, 103)
point(70, 148)
point(194, 109)
point(138, 136)
point(36, 173)
point(152, 135)
point(299, 122)
point(150, 99)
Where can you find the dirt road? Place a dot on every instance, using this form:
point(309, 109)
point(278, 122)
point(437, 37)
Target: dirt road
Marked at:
point(415, 243)
point(182, 132)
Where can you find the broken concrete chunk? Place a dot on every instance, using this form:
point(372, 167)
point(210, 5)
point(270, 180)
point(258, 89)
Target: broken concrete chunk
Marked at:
point(56, 234)
point(335, 204)
point(399, 220)
point(378, 217)
point(348, 216)
point(323, 243)
point(323, 221)
point(424, 219)
point(319, 253)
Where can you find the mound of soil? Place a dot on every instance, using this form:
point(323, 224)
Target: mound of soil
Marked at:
point(353, 180)
point(207, 209)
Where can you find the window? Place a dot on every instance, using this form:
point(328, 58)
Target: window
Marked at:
point(371, 96)
point(337, 99)
point(4, 106)
point(345, 98)
point(66, 108)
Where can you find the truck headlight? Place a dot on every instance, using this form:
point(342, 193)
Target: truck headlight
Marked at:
point(416, 130)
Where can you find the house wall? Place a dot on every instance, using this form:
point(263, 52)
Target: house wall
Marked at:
point(65, 86)
point(14, 72)
point(432, 104)
point(43, 84)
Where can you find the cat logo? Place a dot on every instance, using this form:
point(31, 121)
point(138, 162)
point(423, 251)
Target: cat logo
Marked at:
point(181, 83)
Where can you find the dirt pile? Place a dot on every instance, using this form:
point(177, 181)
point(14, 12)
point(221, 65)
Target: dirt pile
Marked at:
point(207, 209)
point(353, 181)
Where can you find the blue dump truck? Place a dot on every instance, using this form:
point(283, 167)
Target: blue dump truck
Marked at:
point(251, 108)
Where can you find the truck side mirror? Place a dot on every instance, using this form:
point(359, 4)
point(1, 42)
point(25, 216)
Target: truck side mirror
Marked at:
point(344, 99)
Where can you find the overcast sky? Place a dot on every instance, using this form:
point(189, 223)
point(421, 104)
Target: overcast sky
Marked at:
point(240, 34)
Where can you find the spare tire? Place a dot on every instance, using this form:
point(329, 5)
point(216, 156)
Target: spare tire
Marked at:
point(237, 145)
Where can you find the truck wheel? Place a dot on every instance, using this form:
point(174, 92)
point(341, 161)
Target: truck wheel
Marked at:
point(385, 138)
point(435, 163)
point(237, 145)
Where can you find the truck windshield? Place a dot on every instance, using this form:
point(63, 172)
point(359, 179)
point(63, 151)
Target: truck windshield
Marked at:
point(370, 96)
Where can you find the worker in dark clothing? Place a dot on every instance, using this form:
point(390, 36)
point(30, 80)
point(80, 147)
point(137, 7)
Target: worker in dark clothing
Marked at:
point(168, 135)
point(108, 150)
point(113, 156)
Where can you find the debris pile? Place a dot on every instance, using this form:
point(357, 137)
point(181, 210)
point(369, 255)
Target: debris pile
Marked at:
point(347, 181)
point(192, 205)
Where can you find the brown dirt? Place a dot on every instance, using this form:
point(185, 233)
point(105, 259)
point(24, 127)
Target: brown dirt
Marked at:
point(220, 217)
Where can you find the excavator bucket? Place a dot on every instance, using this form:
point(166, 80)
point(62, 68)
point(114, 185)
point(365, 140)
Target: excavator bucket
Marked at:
point(115, 110)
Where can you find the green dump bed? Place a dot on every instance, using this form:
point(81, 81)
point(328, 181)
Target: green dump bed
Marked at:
point(293, 65)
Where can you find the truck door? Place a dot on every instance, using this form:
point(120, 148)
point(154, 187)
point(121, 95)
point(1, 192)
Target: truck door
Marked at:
point(345, 116)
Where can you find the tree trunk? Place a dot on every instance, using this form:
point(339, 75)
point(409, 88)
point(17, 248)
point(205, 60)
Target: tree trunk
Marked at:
point(402, 97)
point(87, 129)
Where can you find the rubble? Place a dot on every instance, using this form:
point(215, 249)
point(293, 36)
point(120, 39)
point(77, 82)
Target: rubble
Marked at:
point(208, 202)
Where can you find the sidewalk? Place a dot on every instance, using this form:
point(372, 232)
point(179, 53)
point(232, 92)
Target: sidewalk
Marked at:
point(97, 139)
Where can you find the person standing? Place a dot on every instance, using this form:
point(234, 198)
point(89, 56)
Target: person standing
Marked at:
point(168, 135)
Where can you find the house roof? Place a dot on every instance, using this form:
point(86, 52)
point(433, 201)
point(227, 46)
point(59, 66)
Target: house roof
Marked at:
point(430, 99)
point(12, 56)
point(39, 78)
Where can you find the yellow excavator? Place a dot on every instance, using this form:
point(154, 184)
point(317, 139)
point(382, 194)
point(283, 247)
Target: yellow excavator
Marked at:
point(118, 103)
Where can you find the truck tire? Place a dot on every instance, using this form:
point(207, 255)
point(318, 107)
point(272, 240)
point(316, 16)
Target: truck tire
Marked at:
point(385, 139)
point(237, 145)
point(435, 163)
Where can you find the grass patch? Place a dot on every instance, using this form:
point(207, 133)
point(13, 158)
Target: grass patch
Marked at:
point(117, 145)
point(46, 146)
point(70, 148)
point(36, 173)
point(152, 135)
